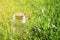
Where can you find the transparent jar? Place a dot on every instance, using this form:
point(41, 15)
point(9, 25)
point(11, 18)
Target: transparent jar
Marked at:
point(18, 23)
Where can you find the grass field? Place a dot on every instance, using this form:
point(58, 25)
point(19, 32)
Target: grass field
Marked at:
point(44, 24)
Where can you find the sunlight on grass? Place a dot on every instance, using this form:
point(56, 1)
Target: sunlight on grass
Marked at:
point(39, 20)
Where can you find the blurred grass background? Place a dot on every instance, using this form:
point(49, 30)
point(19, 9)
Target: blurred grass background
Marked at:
point(44, 25)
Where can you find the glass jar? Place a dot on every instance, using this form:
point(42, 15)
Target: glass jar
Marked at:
point(18, 23)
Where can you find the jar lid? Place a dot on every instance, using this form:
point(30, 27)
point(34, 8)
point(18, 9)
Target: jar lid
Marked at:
point(19, 16)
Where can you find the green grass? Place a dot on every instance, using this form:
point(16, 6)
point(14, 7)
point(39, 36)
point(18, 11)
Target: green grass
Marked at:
point(43, 25)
